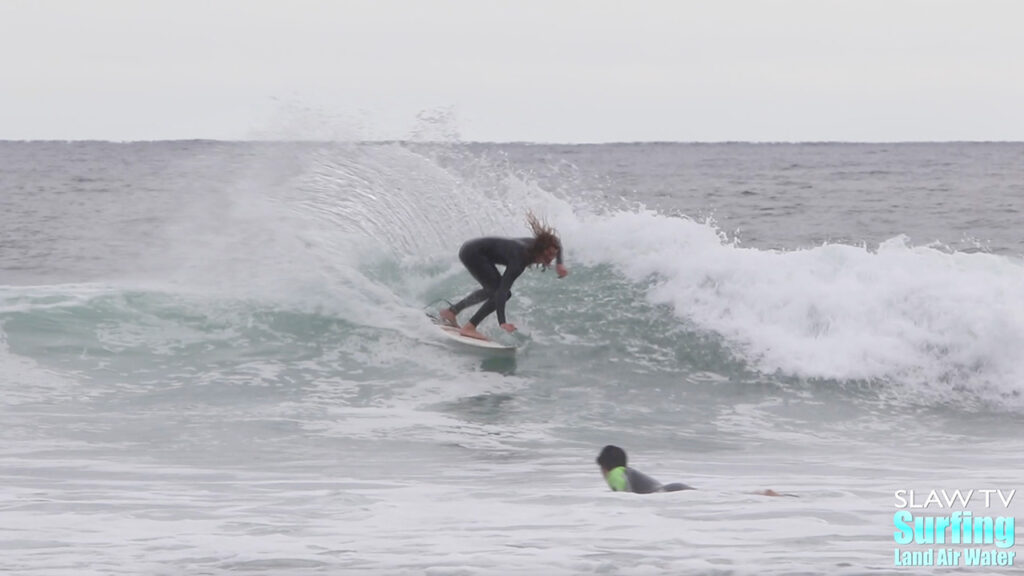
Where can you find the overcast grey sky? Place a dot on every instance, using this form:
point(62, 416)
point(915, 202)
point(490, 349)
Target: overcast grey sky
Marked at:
point(513, 70)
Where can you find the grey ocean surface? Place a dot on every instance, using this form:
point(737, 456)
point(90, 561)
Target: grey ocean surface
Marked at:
point(214, 357)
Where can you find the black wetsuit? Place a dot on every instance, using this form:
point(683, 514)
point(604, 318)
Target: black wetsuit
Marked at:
point(641, 483)
point(481, 257)
point(626, 479)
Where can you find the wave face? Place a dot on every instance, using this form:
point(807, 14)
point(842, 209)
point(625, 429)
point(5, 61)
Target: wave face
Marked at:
point(365, 235)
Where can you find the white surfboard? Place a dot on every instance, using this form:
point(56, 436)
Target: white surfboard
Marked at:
point(484, 345)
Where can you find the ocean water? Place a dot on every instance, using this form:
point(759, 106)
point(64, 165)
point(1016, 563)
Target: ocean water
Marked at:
point(214, 357)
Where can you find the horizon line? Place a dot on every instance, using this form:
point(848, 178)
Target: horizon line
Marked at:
point(495, 142)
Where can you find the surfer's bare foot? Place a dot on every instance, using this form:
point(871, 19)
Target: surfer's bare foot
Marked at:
point(448, 318)
point(470, 331)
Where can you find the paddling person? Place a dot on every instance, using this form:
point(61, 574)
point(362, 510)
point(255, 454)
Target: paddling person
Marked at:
point(481, 257)
point(622, 478)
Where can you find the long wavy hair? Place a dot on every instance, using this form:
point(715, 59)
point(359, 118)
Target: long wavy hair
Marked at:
point(544, 237)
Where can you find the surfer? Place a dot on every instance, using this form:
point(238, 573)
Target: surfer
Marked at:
point(481, 257)
point(622, 478)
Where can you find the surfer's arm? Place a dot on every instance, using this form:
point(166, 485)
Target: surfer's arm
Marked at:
point(504, 288)
point(559, 265)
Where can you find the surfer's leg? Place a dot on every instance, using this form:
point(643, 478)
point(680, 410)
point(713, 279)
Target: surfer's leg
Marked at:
point(486, 310)
point(484, 272)
point(471, 300)
point(448, 315)
point(676, 487)
point(469, 329)
point(482, 269)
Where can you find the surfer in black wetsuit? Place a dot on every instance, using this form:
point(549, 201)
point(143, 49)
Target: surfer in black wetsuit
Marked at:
point(622, 478)
point(481, 257)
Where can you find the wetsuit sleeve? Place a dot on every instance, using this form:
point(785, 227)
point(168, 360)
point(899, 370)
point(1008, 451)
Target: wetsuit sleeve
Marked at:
point(504, 287)
point(558, 259)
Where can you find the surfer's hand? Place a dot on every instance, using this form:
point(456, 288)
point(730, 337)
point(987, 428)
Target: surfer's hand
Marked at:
point(508, 327)
point(562, 270)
